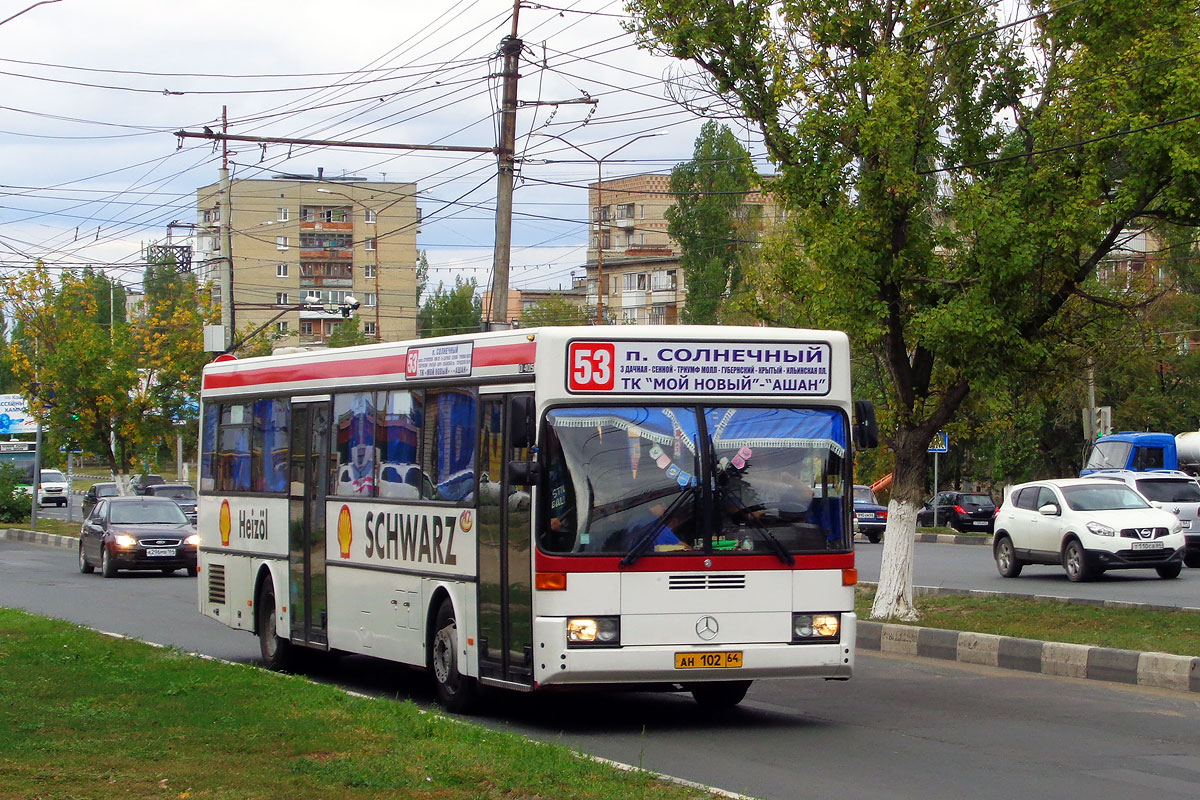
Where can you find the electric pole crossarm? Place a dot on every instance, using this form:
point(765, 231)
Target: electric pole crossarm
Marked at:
point(230, 137)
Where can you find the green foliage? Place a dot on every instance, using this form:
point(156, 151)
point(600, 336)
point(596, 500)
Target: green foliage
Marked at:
point(554, 311)
point(348, 334)
point(450, 311)
point(709, 190)
point(15, 500)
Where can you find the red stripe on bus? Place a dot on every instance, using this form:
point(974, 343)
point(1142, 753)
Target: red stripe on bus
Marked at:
point(495, 356)
point(689, 563)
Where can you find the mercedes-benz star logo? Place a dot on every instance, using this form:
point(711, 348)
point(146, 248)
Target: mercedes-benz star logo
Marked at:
point(707, 627)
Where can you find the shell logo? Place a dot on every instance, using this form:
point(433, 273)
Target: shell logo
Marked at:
point(345, 533)
point(465, 521)
point(224, 523)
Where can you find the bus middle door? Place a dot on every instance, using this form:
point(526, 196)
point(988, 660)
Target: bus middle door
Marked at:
point(505, 556)
point(309, 484)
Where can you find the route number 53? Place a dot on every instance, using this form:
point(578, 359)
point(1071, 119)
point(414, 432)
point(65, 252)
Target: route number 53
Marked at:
point(590, 367)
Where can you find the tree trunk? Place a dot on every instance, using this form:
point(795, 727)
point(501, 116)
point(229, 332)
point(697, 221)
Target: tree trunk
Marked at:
point(894, 597)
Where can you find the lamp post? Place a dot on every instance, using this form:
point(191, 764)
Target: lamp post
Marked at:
point(600, 208)
point(363, 206)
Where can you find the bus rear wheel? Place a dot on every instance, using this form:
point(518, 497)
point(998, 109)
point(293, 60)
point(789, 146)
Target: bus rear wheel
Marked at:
point(275, 650)
point(719, 694)
point(457, 693)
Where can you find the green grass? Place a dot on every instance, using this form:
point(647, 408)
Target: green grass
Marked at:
point(86, 715)
point(44, 525)
point(1176, 632)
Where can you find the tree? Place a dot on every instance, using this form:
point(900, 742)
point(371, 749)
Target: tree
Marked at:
point(952, 180)
point(449, 311)
point(348, 334)
point(709, 191)
point(554, 311)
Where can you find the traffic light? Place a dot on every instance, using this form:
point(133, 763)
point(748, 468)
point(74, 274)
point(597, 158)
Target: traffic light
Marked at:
point(1101, 421)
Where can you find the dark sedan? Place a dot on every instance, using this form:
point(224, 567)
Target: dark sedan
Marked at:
point(963, 511)
point(139, 533)
point(181, 493)
point(869, 516)
point(95, 493)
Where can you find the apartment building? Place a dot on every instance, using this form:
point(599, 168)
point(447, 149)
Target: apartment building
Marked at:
point(297, 238)
point(520, 300)
point(632, 259)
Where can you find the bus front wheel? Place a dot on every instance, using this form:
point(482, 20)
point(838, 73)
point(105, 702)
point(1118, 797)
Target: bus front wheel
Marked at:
point(719, 694)
point(457, 693)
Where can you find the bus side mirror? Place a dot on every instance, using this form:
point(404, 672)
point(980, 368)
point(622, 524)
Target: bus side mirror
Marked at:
point(866, 430)
point(521, 425)
point(524, 473)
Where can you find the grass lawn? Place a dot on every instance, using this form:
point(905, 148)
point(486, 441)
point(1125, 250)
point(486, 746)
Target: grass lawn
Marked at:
point(1176, 632)
point(86, 715)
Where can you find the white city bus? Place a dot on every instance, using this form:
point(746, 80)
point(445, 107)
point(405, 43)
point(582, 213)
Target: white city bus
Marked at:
point(655, 507)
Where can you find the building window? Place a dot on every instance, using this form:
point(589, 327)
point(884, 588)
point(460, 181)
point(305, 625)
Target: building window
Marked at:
point(663, 279)
point(206, 216)
point(370, 299)
point(369, 243)
point(625, 211)
point(281, 298)
point(283, 215)
point(334, 215)
point(369, 328)
point(368, 270)
point(306, 214)
point(281, 270)
point(368, 215)
point(281, 243)
point(281, 327)
point(306, 327)
point(634, 281)
point(216, 215)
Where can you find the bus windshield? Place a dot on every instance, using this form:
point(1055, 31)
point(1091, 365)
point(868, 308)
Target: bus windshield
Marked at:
point(638, 481)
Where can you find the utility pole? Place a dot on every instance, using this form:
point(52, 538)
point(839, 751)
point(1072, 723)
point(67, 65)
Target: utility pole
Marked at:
point(227, 319)
point(511, 50)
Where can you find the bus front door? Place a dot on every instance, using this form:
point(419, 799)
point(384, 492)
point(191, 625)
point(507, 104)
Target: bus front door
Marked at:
point(505, 558)
point(309, 483)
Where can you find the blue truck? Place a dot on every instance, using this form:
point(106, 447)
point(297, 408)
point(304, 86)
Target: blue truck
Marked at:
point(1141, 452)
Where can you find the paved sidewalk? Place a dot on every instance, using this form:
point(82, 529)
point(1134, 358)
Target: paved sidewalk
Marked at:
point(1160, 670)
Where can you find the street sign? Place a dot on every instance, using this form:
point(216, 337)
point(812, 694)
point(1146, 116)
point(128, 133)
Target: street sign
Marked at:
point(940, 443)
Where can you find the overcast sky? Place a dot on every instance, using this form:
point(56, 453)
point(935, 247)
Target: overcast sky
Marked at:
point(90, 93)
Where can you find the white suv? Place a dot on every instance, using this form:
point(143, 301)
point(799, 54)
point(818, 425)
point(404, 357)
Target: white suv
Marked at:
point(1088, 526)
point(1171, 490)
point(52, 489)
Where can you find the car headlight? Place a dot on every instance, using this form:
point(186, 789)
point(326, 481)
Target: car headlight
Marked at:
point(1100, 530)
point(1177, 527)
point(193, 539)
point(594, 632)
point(816, 627)
point(124, 540)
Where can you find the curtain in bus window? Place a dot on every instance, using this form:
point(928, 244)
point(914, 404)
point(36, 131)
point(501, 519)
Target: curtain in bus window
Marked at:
point(208, 452)
point(270, 446)
point(399, 435)
point(450, 454)
point(354, 416)
point(233, 449)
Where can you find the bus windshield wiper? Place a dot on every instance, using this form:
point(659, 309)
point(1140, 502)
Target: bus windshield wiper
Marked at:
point(756, 525)
point(637, 551)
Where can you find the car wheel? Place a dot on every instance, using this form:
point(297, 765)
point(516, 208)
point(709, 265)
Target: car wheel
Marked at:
point(456, 692)
point(1074, 560)
point(874, 538)
point(192, 571)
point(276, 651)
point(1169, 571)
point(719, 694)
point(108, 568)
point(85, 566)
point(1007, 563)
point(1192, 560)
point(168, 572)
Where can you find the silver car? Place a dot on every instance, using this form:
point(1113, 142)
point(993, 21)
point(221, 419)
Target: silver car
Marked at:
point(1169, 489)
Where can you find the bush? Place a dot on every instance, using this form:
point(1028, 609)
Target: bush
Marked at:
point(15, 500)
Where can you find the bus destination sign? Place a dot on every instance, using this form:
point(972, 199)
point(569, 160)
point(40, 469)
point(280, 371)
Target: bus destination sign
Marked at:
point(746, 368)
point(439, 361)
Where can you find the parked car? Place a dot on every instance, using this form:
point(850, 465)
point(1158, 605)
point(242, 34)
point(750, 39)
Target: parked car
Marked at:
point(139, 533)
point(140, 482)
point(94, 494)
point(870, 518)
point(1088, 526)
point(53, 489)
point(1171, 490)
point(183, 494)
point(963, 511)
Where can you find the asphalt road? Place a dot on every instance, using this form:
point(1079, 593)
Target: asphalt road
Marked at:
point(902, 728)
point(972, 567)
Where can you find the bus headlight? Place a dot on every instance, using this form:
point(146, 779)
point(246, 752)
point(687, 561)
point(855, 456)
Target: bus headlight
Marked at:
point(594, 632)
point(816, 627)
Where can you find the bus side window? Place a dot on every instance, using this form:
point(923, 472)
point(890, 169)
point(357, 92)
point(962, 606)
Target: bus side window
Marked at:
point(270, 446)
point(208, 453)
point(233, 449)
point(450, 437)
point(354, 444)
point(397, 439)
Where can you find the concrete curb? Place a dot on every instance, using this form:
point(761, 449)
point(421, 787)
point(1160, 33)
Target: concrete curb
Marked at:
point(952, 538)
point(1159, 670)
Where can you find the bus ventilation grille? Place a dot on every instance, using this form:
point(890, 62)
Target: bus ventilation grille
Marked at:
point(706, 581)
point(216, 583)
